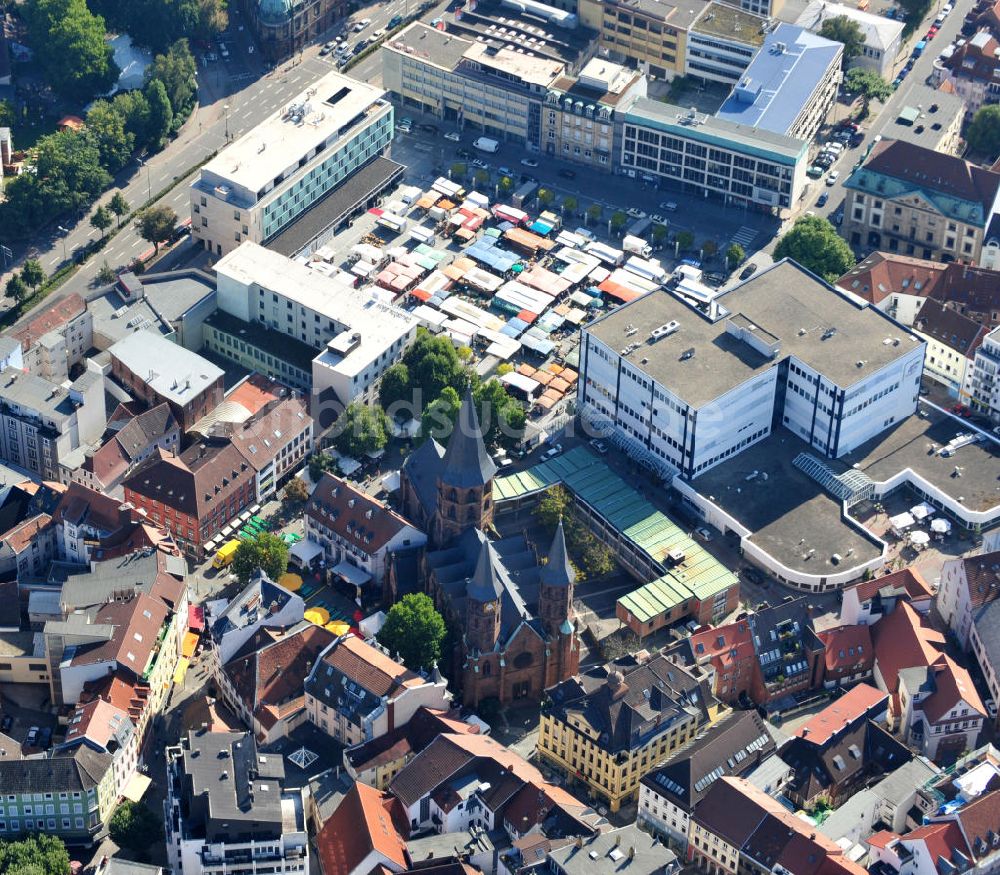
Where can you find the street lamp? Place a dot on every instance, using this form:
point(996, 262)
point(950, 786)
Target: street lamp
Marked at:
point(149, 188)
point(64, 232)
point(226, 108)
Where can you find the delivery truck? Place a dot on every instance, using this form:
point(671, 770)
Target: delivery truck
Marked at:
point(486, 144)
point(226, 553)
point(636, 245)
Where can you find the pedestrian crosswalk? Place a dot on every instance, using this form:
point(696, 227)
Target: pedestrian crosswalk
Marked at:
point(745, 236)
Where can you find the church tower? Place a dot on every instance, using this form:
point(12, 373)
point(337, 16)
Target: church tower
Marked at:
point(482, 603)
point(465, 484)
point(556, 579)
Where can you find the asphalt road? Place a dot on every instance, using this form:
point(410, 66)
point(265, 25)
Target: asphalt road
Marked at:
point(887, 113)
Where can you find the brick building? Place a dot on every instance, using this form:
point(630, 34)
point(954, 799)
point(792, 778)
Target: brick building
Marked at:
point(157, 370)
point(194, 494)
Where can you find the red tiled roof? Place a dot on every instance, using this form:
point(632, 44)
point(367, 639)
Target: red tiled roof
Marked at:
point(940, 839)
point(904, 639)
point(909, 579)
point(137, 622)
point(979, 819)
point(853, 705)
point(366, 820)
point(883, 273)
point(255, 393)
point(949, 327)
point(50, 319)
point(22, 535)
point(96, 721)
point(847, 646)
point(952, 685)
point(882, 839)
point(370, 667)
point(726, 644)
point(983, 577)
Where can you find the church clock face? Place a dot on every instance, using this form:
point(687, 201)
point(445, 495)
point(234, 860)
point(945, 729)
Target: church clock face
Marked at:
point(488, 607)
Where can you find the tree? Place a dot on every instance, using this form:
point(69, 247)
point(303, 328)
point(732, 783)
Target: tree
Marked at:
point(7, 117)
point(481, 178)
point(414, 630)
point(119, 206)
point(70, 47)
point(983, 132)
point(133, 107)
point(815, 244)
point(552, 508)
point(32, 273)
point(505, 185)
point(161, 114)
point(267, 553)
point(17, 288)
point(135, 827)
point(38, 854)
point(319, 463)
point(433, 363)
point(69, 171)
point(842, 29)
point(659, 235)
point(101, 219)
point(106, 128)
point(176, 70)
point(735, 255)
point(105, 275)
point(869, 86)
point(362, 429)
point(570, 205)
point(685, 240)
point(501, 416)
point(618, 221)
point(593, 214)
point(296, 490)
point(545, 197)
point(709, 248)
point(438, 419)
point(395, 385)
point(458, 170)
point(156, 224)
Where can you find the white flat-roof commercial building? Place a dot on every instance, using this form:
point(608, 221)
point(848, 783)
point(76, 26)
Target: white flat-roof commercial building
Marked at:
point(722, 43)
point(706, 155)
point(784, 348)
point(271, 175)
point(357, 336)
point(883, 36)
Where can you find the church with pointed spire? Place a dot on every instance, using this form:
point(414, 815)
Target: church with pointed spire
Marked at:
point(510, 605)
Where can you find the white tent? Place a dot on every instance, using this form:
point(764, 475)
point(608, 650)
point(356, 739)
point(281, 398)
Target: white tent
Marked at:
point(305, 551)
point(901, 521)
point(131, 60)
point(919, 539)
point(922, 510)
point(941, 526)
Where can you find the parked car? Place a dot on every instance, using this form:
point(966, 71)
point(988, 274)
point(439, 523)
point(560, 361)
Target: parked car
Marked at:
point(635, 213)
point(45, 738)
point(377, 33)
point(529, 162)
point(838, 218)
point(822, 199)
point(816, 171)
point(6, 723)
point(657, 219)
point(668, 206)
point(505, 171)
point(394, 22)
point(32, 738)
point(482, 165)
point(454, 136)
point(552, 452)
point(991, 709)
point(703, 533)
point(566, 173)
point(600, 446)
point(748, 271)
point(428, 128)
point(323, 52)
point(832, 177)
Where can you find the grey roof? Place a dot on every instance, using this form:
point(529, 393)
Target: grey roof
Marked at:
point(485, 585)
point(173, 372)
point(784, 300)
point(442, 845)
point(987, 623)
point(116, 866)
point(558, 571)
point(145, 429)
point(779, 83)
point(48, 399)
point(175, 292)
point(733, 747)
point(74, 771)
point(421, 468)
point(95, 586)
point(251, 605)
point(327, 789)
point(230, 790)
point(466, 462)
point(607, 853)
point(897, 786)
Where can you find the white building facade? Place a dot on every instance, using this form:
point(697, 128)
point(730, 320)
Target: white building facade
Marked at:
point(982, 377)
point(275, 172)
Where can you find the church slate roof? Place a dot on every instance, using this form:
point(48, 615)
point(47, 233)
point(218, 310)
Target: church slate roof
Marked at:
point(466, 462)
point(558, 571)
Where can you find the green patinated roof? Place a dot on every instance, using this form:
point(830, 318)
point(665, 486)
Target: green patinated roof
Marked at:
point(699, 576)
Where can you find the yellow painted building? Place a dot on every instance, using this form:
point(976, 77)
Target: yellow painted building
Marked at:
point(608, 728)
point(643, 31)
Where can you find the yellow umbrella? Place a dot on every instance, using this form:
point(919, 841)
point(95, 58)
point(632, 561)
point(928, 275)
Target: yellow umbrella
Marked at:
point(319, 616)
point(290, 581)
point(338, 627)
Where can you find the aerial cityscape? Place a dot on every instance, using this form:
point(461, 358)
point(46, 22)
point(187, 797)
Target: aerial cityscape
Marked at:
point(499, 437)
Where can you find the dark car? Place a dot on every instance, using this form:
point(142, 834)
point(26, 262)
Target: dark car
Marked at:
point(395, 21)
point(857, 139)
point(428, 128)
point(45, 738)
point(6, 723)
point(567, 174)
point(753, 575)
point(748, 271)
point(822, 199)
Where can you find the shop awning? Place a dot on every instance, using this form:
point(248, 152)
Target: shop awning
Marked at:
point(352, 574)
point(306, 551)
point(181, 670)
point(136, 788)
point(196, 618)
point(190, 644)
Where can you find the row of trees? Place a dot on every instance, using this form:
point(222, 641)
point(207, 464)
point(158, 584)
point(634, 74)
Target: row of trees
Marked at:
point(28, 280)
point(72, 168)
